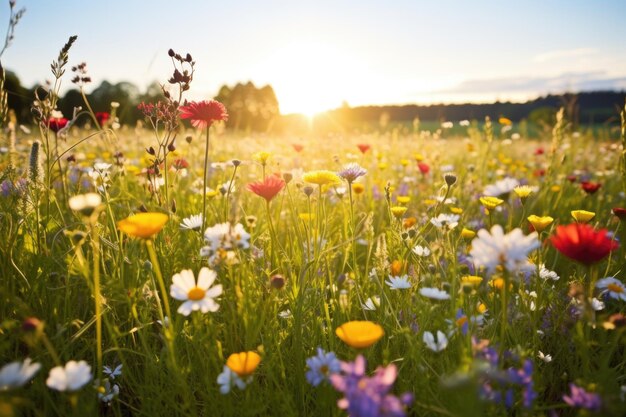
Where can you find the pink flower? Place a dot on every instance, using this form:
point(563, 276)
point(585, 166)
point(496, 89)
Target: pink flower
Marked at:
point(203, 113)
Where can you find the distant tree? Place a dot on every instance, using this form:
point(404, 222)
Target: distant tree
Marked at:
point(18, 97)
point(249, 108)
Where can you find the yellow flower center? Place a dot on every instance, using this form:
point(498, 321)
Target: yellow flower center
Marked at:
point(196, 294)
point(615, 288)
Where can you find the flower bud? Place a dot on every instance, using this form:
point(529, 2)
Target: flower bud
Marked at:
point(277, 281)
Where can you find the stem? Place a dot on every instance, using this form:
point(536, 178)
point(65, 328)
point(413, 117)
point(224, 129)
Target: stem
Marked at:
point(206, 163)
point(157, 272)
point(95, 243)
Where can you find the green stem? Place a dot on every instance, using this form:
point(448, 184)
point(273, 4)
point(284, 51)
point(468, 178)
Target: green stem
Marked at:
point(204, 178)
point(159, 276)
point(95, 244)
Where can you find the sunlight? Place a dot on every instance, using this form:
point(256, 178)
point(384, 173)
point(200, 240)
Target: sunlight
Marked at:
point(311, 77)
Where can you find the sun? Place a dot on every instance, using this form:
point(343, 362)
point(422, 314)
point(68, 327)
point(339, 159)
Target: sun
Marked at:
point(311, 77)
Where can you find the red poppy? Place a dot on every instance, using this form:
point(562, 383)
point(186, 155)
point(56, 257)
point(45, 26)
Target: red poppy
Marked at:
point(424, 168)
point(102, 117)
point(582, 243)
point(539, 172)
point(268, 188)
point(620, 212)
point(572, 178)
point(55, 124)
point(203, 113)
point(539, 151)
point(297, 147)
point(590, 187)
point(363, 147)
point(180, 163)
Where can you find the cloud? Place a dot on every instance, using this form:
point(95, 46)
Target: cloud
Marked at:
point(563, 53)
point(574, 81)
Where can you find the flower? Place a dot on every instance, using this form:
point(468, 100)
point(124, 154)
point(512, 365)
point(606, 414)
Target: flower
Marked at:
point(268, 188)
point(539, 223)
point(227, 237)
point(203, 113)
point(582, 243)
point(321, 367)
point(579, 398)
point(143, 225)
point(192, 222)
point(227, 379)
point(111, 372)
point(505, 121)
point(369, 396)
point(72, 377)
point(57, 123)
point(590, 187)
point(17, 374)
point(421, 250)
point(371, 303)
point(468, 233)
point(544, 357)
point(351, 172)
point(490, 203)
point(523, 191)
point(449, 221)
point(102, 117)
point(108, 391)
point(196, 296)
point(321, 177)
point(423, 167)
point(398, 283)
point(502, 187)
point(496, 248)
point(243, 363)
point(620, 212)
point(359, 334)
point(262, 157)
point(471, 280)
point(434, 293)
point(612, 287)
point(363, 147)
point(583, 216)
point(86, 204)
point(435, 346)
point(398, 211)
point(546, 274)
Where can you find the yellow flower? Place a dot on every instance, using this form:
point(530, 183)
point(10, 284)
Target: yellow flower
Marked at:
point(398, 211)
point(305, 217)
point(262, 157)
point(404, 162)
point(322, 177)
point(505, 121)
point(359, 334)
point(540, 223)
point(418, 157)
point(481, 308)
point(430, 202)
point(472, 280)
point(523, 191)
point(468, 233)
point(403, 199)
point(456, 210)
point(358, 188)
point(555, 188)
point(583, 216)
point(382, 165)
point(243, 363)
point(490, 203)
point(143, 225)
point(210, 193)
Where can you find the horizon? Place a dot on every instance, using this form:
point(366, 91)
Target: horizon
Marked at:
point(333, 56)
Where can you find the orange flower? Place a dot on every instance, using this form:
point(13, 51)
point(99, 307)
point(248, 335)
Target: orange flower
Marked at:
point(243, 363)
point(359, 334)
point(143, 225)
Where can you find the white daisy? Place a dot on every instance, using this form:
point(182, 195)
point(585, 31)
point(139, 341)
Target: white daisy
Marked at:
point(226, 236)
point(434, 293)
point(449, 221)
point(612, 287)
point(436, 346)
point(398, 283)
point(196, 296)
point(371, 304)
point(504, 186)
point(543, 357)
point(192, 222)
point(597, 305)
point(546, 274)
point(72, 377)
point(496, 248)
point(16, 374)
point(421, 251)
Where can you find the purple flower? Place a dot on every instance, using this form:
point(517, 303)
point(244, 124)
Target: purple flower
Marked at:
point(321, 367)
point(369, 396)
point(351, 172)
point(579, 398)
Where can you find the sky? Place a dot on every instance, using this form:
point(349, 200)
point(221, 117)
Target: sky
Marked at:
point(320, 54)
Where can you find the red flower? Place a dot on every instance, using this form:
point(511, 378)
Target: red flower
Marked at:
point(572, 178)
point(582, 243)
point(180, 163)
point(203, 113)
point(590, 187)
point(268, 188)
point(56, 124)
point(620, 212)
point(539, 151)
point(102, 118)
point(424, 168)
point(297, 147)
point(363, 147)
point(539, 172)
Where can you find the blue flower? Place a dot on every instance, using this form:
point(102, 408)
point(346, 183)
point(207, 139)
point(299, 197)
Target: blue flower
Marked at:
point(321, 367)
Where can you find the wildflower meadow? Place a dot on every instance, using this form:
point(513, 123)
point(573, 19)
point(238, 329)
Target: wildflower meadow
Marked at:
point(177, 267)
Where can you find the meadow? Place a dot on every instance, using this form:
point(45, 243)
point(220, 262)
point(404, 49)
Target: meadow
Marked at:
point(177, 268)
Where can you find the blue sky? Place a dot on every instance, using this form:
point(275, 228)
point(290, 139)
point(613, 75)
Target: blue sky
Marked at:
point(317, 54)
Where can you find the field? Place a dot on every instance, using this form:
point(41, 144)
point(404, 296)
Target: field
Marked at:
point(451, 316)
